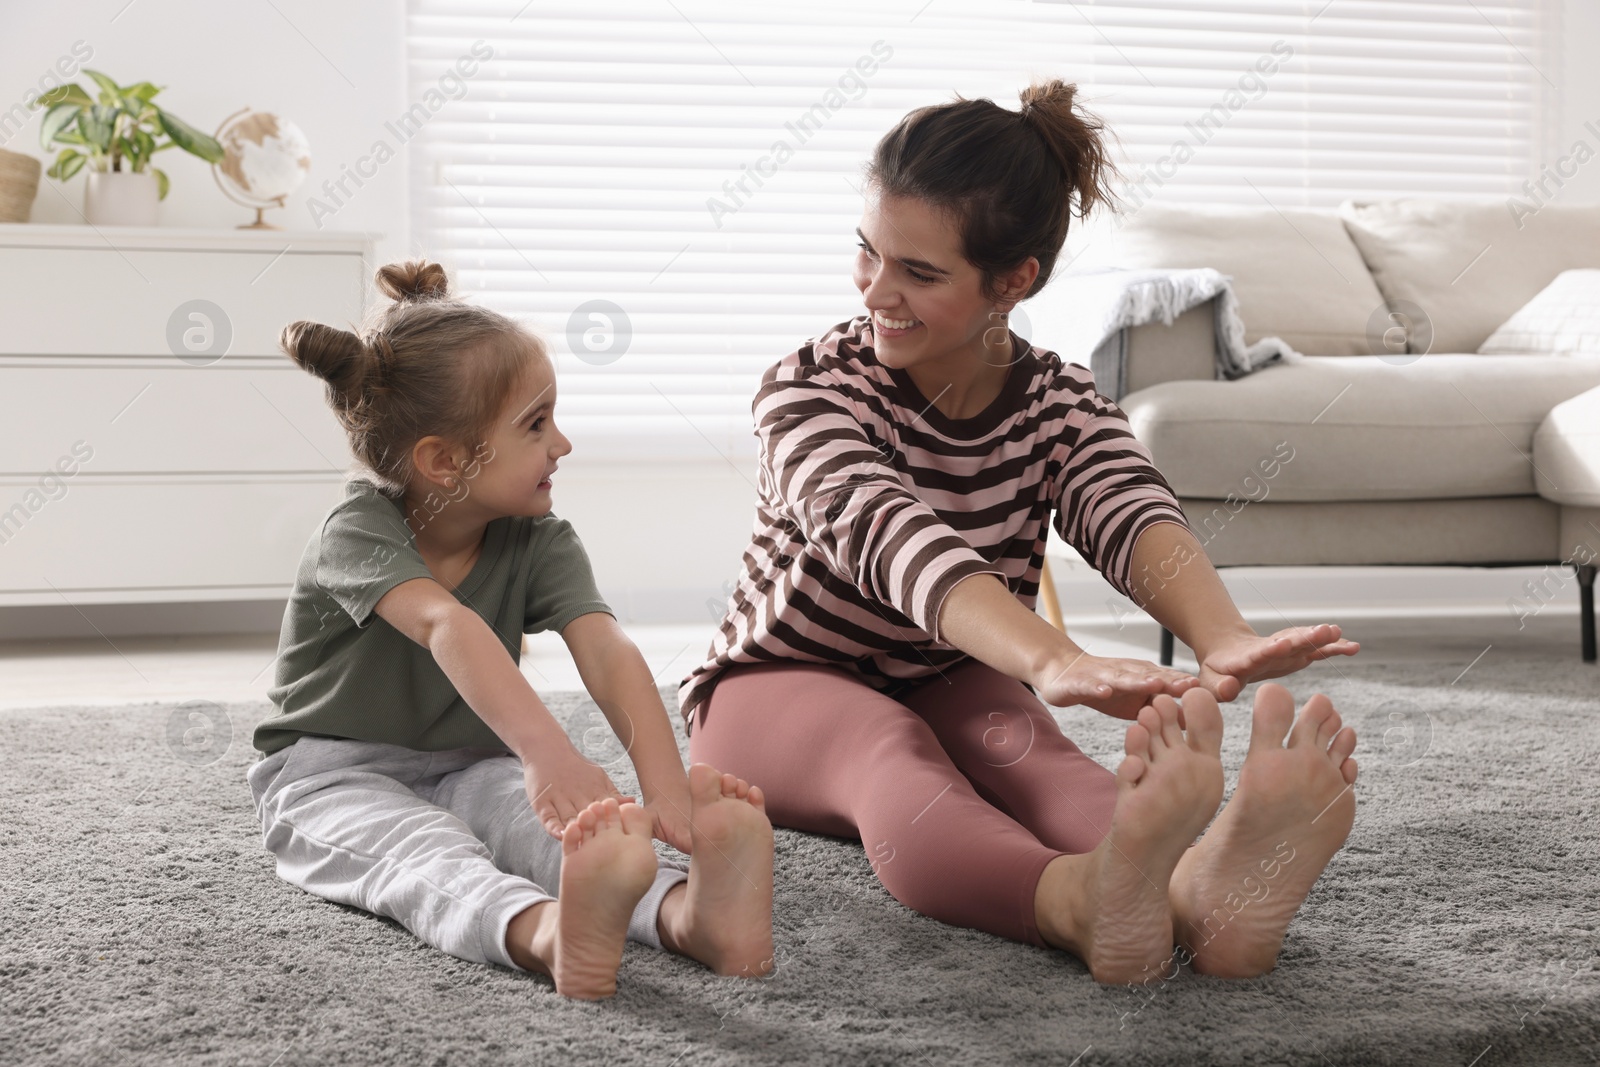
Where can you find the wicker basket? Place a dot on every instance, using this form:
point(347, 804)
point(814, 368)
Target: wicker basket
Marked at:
point(19, 184)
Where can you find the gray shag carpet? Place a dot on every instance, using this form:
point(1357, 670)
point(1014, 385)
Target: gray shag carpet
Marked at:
point(145, 923)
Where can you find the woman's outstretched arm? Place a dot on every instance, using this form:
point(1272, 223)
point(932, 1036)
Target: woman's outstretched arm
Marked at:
point(1180, 589)
point(985, 620)
point(1175, 583)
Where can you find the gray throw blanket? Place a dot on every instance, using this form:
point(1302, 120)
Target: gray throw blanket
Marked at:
point(1106, 302)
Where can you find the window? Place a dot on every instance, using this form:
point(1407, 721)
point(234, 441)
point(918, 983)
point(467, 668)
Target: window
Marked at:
point(667, 189)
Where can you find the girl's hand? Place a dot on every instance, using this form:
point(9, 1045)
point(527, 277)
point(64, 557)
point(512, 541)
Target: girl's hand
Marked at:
point(1239, 659)
point(670, 808)
point(561, 783)
point(1115, 687)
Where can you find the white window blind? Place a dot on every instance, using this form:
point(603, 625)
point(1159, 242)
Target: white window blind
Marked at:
point(694, 167)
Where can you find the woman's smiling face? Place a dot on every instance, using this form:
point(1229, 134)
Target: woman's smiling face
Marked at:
point(926, 299)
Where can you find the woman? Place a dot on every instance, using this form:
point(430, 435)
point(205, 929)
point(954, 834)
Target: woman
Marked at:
point(880, 669)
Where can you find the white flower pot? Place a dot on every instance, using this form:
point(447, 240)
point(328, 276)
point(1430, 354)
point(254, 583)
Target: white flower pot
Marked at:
point(114, 198)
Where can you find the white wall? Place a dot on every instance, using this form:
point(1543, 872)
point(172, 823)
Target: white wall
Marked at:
point(664, 538)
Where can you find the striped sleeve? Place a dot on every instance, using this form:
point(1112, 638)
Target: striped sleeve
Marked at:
point(1109, 491)
point(824, 475)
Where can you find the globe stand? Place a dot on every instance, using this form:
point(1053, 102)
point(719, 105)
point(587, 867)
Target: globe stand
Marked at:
point(260, 223)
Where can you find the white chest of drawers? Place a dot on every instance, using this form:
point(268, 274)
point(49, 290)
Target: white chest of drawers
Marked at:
point(138, 461)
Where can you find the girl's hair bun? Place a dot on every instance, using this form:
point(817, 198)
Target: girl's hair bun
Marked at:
point(424, 364)
point(336, 356)
point(414, 280)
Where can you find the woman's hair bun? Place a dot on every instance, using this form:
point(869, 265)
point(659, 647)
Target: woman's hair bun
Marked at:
point(1052, 93)
point(413, 280)
point(336, 356)
point(1073, 137)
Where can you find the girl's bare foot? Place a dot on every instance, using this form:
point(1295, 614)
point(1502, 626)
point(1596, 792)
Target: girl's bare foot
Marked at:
point(607, 864)
point(1234, 893)
point(723, 915)
point(1110, 907)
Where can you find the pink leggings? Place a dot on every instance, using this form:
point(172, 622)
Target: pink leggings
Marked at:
point(961, 792)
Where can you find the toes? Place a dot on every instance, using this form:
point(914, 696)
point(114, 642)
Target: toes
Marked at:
point(1313, 715)
point(1171, 732)
point(1344, 743)
point(1329, 728)
point(1149, 720)
point(1170, 711)
point(705, 783)
point(1272, 717)
point(1348, 768)
point(1136, 742)
point(1133, 767)
point(757, 798)
point(1204, 721)
point(579, 829)
point(592, 820)
point(636, 820)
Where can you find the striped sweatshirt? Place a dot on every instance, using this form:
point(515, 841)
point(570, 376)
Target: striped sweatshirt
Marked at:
point(872, 505)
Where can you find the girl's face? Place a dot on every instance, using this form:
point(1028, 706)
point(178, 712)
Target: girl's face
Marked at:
point(519, 457)
point(926, 299)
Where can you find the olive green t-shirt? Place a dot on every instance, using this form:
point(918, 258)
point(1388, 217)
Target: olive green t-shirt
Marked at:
point(345, 672)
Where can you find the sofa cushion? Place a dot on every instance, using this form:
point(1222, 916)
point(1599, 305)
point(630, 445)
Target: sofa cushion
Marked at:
point(1358, 427)
point(1563, 317)
point(1296, 273)
point(1566, 449)
point(1468, 265)
point(1505, 529)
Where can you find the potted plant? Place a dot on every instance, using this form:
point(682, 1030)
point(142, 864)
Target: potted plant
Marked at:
point(116, 136)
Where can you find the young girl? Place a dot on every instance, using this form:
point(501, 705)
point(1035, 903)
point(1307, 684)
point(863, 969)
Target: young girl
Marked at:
point(409, 769)
point(880, 668)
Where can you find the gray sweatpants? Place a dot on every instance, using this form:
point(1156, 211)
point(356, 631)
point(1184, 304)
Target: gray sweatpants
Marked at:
point(445, 843)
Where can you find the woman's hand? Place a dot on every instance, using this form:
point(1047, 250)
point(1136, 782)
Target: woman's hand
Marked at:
point(561, 783)
point(1115, 687)
point(1239, 659)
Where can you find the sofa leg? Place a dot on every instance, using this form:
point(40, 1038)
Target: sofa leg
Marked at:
point(1586, 609)
point(1166, 634)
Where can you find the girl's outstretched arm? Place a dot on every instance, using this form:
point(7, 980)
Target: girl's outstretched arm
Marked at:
point(621, 684)
point(560, 781)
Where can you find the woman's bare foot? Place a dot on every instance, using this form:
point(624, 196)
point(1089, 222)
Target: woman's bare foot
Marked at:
point(1234, 893)
point(723, 915)
point(1110, 907)
point(607, 864)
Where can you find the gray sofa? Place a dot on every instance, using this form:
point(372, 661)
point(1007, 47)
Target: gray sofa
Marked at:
point(1405, 446)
